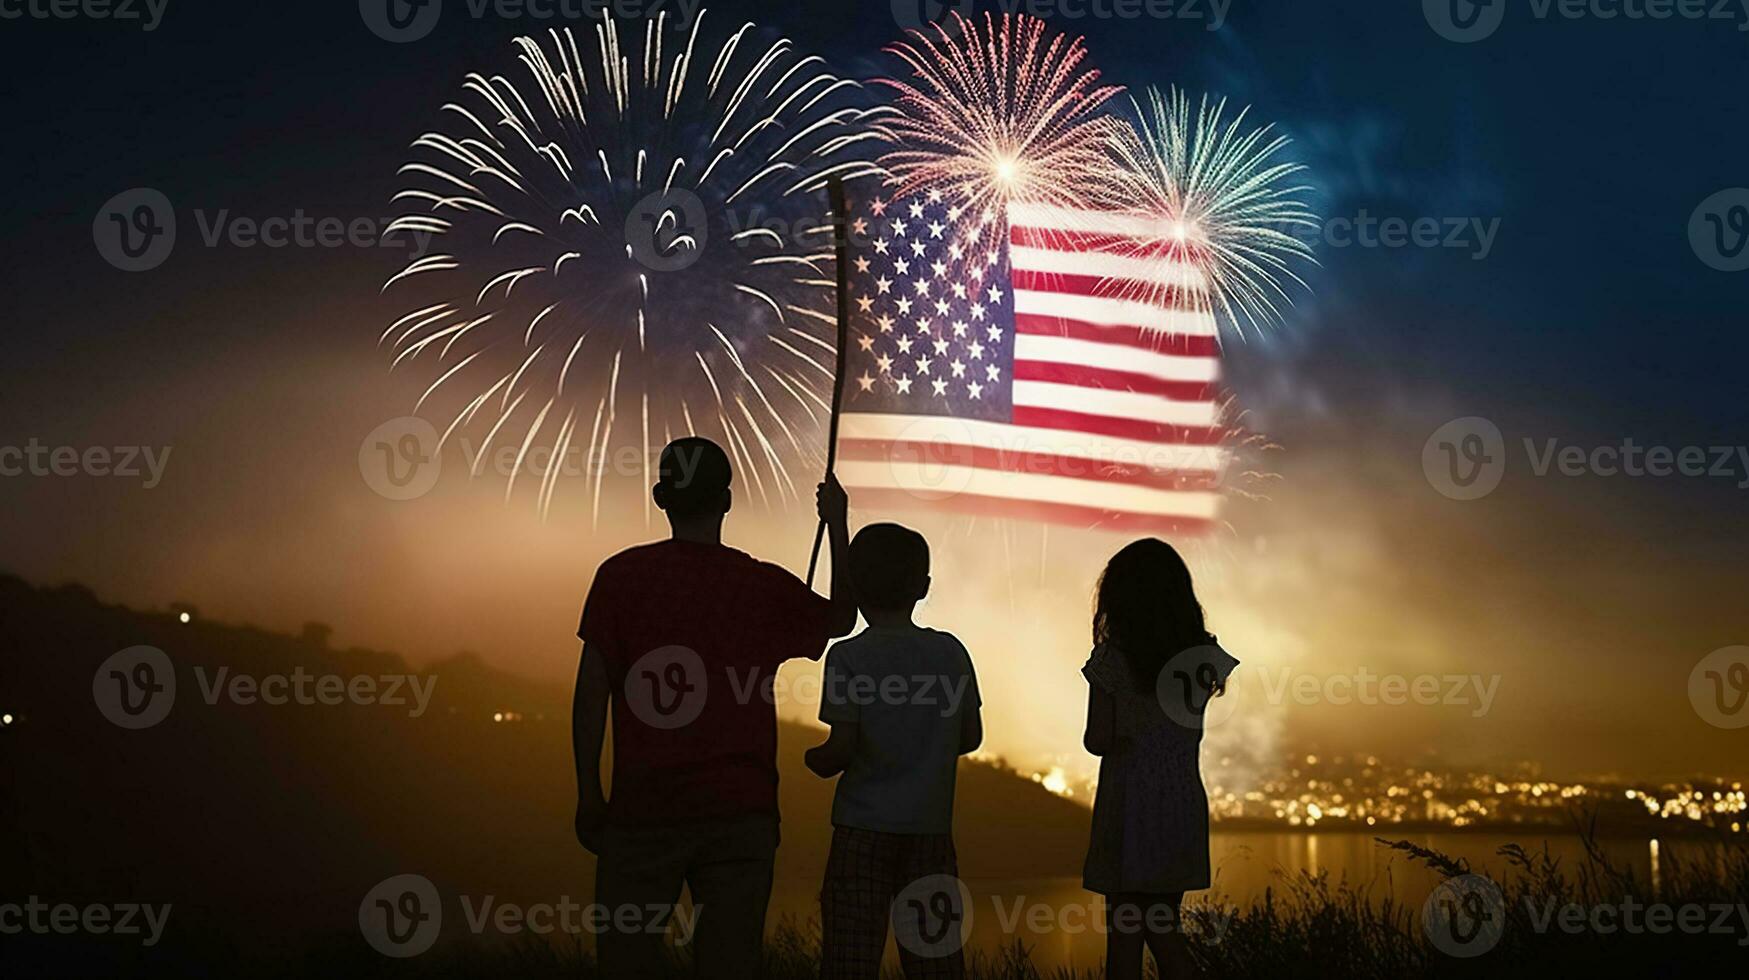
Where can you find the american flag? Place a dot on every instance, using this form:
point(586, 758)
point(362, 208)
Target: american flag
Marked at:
point(1048, 369)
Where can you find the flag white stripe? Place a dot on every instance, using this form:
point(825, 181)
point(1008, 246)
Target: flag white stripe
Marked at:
point(1115, 312)
point(938, 430)
point(1142, 407)
point(933, 481)
point(1115, 357)
point(1107, 265)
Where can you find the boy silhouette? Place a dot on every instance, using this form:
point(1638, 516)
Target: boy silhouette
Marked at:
point(684, 636)
point(902, 701)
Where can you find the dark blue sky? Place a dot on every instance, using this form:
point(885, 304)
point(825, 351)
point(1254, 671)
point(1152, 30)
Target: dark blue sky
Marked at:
point(1586, 144)
point(1590, 141)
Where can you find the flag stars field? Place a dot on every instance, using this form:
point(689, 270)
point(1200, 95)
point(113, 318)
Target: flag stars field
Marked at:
point(1048, 379)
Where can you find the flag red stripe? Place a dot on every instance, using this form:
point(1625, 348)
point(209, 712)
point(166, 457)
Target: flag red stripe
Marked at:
point(1089, 518)
point(1154, 294)
point(1036, 464)
point(1090, 241)
point(1185, 345)
point(1109, 380)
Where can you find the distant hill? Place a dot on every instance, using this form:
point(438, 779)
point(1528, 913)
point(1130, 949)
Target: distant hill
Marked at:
point(273, 821)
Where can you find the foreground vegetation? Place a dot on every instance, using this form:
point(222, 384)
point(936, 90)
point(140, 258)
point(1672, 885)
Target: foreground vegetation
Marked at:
point(1306, 926)
point(1310, 927)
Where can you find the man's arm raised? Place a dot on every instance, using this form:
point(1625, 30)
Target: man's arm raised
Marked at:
point(834, 507)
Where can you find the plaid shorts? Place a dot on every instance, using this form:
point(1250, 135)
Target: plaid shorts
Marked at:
point(864, 874)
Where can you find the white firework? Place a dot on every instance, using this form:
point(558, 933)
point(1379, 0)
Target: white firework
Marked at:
point(627, 247)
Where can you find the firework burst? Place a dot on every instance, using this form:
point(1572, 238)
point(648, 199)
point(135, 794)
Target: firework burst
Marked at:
point(626, 248)
point(1221, 208)
point(997, 111)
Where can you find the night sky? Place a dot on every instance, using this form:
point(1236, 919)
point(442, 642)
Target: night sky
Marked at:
point(1585, 144)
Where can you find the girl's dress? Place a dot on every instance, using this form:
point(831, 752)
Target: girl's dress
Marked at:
point(1150, 812)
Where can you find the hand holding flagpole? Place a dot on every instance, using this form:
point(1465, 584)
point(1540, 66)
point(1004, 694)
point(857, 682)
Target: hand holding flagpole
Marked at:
point(841, 249)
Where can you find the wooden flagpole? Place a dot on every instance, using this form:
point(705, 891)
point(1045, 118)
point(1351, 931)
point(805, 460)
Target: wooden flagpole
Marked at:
point(841, 248)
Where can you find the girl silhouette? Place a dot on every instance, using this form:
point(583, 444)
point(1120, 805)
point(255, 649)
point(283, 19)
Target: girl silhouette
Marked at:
point(1153, 671)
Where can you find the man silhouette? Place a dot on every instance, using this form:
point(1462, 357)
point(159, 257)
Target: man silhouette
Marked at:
point(684, 636)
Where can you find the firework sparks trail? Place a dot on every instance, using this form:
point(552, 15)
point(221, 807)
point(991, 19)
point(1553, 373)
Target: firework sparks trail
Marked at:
point(632, 231)
point(1223, 209)
point(996, 112)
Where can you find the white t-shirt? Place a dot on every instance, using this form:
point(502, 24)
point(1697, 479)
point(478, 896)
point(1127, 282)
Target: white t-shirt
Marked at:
point(907, 689)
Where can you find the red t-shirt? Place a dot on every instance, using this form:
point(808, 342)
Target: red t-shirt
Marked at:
point(692, 635)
